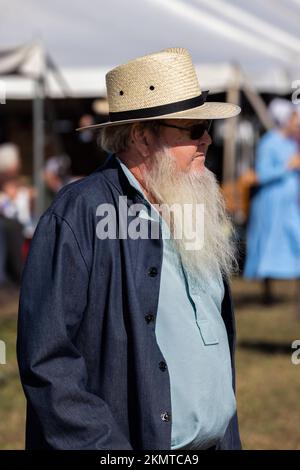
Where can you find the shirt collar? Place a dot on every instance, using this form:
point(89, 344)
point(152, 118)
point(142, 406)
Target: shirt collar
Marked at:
point(152, 211)
point(131, 178)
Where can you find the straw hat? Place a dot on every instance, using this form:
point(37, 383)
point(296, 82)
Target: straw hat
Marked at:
point(162, 85)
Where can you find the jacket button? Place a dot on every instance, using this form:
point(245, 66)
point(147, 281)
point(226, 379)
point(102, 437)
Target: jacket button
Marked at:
point(165, 416)
point(149, 318)
point(152, 272)
point(162, 366)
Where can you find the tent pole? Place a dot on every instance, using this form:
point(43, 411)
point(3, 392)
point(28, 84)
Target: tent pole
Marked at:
point(229, 153)
point(258, 104)
point(38, 146)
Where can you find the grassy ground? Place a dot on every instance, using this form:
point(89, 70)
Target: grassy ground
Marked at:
point(12, 402)
point(268, 384)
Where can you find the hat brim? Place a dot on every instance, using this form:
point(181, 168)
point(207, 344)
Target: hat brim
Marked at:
point(209, 110)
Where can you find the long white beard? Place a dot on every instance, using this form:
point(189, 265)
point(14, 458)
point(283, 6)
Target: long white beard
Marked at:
point(169, 185)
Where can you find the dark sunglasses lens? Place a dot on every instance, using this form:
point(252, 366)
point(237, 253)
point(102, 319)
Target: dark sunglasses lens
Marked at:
point(198, 130)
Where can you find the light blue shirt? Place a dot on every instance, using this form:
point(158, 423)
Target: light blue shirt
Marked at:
point(192, 337)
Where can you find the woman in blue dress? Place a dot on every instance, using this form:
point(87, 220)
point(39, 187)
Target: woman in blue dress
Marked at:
point(273, 236)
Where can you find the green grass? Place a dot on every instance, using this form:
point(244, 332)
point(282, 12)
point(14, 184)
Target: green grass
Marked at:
point(12, 402)
point(268, 384)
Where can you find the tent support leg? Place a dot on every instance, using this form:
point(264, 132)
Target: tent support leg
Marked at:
point(229, 155)
point(38, 146)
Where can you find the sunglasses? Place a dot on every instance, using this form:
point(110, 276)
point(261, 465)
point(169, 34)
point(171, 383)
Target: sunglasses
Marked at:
point(196, 131)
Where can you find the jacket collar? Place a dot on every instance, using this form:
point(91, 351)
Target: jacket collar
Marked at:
point(113, 172)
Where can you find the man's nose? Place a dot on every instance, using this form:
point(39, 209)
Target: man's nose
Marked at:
point(205, 139)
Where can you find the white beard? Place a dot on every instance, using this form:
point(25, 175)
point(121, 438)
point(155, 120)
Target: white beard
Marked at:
point(168, 185)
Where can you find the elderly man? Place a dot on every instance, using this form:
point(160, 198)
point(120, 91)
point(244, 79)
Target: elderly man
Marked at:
point(126, 329)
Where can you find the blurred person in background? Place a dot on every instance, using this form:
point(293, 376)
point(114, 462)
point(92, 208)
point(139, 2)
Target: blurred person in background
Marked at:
point(86, 143)
point(88, 135)
point(56, 174)
point(10, 163)
point(273, 237)
point(16, 202)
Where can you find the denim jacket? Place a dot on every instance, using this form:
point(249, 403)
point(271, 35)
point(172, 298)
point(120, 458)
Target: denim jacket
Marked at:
point(87, 351)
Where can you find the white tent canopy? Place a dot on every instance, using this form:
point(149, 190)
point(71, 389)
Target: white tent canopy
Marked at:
point(86, 39)
point(27, 61)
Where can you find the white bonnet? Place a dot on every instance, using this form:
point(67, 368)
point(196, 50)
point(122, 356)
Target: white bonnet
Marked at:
point(281, 110)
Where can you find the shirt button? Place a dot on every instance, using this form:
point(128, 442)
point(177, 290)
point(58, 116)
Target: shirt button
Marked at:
point(162, 366)
point(165, 416)
point(152, 272)
point(149, 318)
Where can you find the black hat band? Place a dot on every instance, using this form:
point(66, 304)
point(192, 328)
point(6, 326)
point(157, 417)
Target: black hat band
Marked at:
point(160, 110)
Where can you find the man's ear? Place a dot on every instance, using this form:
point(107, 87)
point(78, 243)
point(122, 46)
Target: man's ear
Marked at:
point(140, 137)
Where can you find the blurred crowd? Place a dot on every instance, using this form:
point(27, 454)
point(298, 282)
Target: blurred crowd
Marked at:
point(16, 204)
point(17, 208)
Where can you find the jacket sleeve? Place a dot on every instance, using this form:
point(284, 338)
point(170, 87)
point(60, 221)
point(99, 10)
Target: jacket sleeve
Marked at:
point(231, 439)
point(53, 372)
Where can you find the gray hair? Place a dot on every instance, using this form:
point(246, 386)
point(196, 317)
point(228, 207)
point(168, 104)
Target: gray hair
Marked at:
point(114, 139)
